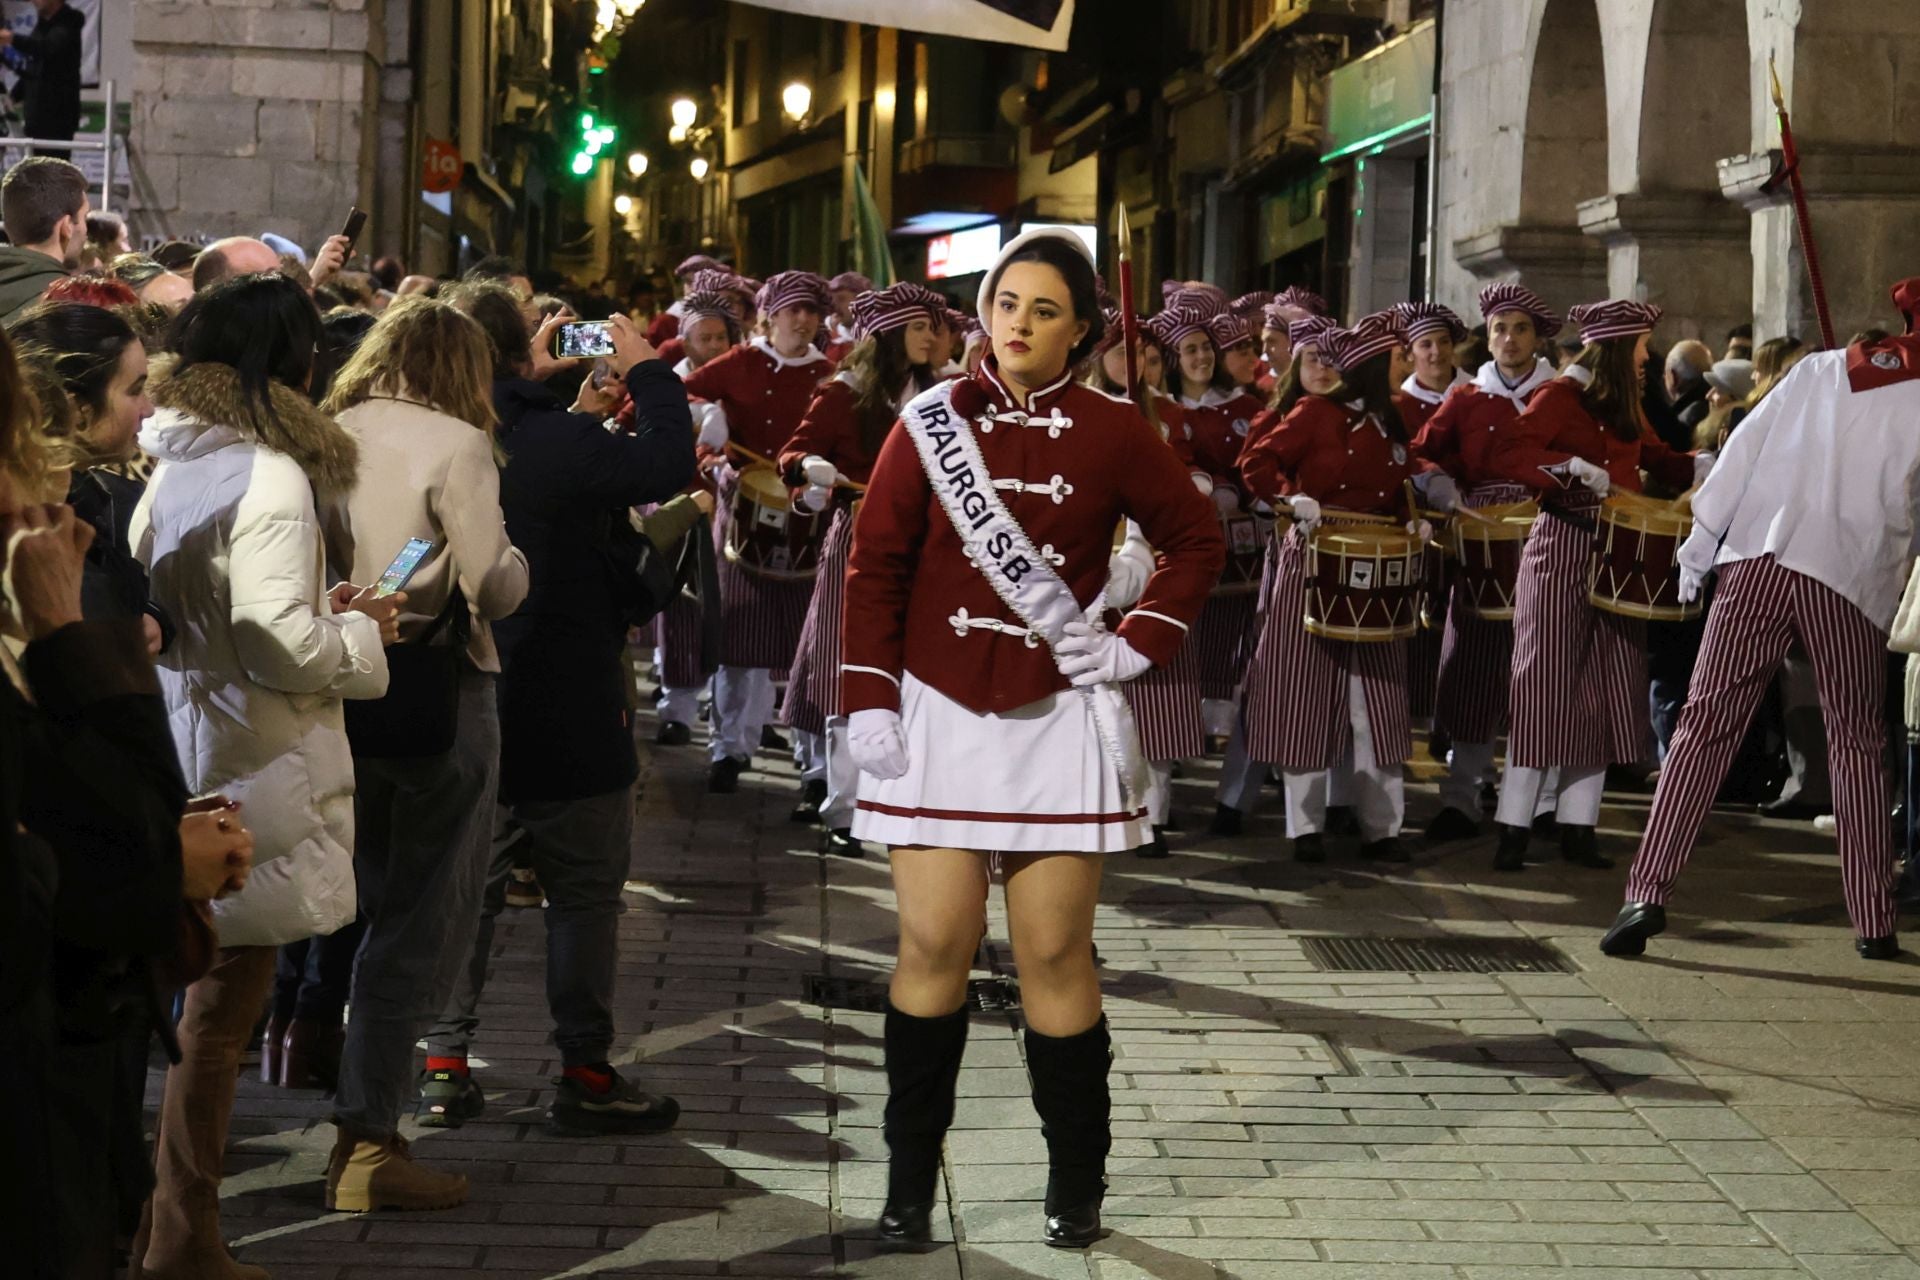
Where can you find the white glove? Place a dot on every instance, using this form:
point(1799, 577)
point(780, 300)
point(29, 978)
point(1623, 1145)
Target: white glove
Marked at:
point(1203, 482)
point(1691, 580)
point(713, 425)
point(1702, 465)
point(1439, 491)
point(1590, 474)
point(1306, 512)
point(1421, 529)
point(816, 497)
point(878, 743)
point(1089, 657)
point(1227, 499)
point(820, 473)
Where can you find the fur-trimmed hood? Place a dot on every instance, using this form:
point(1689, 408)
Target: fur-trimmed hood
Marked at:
point(202, 408)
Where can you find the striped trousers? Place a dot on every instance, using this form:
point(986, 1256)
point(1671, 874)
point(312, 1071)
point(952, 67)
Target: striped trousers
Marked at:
point(1758, 609)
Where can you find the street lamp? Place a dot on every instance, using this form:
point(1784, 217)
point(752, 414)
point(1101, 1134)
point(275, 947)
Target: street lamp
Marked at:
point(698, 168)
point(684, 112)
point(637, 163)
point(623, 204)
point(797, 98)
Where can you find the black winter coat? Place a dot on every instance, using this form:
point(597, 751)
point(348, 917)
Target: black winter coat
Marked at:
point(565, 731)
point(52, 79)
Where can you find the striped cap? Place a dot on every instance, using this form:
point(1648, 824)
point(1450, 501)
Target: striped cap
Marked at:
point(718, 306)
point(1370, 336)
point(792, 289)
point(699, 262)
point(1309, 331)
point(718, 280)
point(953, 317)
point(1174, 324)
point(1204, 298)
point(1496, 298)
point(1227, 329)
point(1417, 319)
point(895, 307)
point(1614, 318)
point(1251, 304)
point(1302, 300)
point(852, 280)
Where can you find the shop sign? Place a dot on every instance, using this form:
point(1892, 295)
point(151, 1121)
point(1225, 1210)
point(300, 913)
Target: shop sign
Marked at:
point(1389, 92)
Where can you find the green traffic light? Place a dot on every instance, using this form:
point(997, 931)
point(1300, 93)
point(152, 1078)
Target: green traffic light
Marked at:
point(586, 122)
point(582, 163)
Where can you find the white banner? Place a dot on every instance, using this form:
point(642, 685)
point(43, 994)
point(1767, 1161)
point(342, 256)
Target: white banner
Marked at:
point(1038, 24)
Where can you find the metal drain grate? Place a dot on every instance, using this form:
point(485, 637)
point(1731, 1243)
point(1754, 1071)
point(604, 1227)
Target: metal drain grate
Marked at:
point(1433, 955)
point(862, 995)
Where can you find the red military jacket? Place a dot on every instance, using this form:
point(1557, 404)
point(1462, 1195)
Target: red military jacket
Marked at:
point(1335, 454)
point(1459, 437)
point(831, 430)
point(665, 325)
point(764, 394)
point(1218, 428)
point(1556, 427)
point(1417, 402)
point(909, 575)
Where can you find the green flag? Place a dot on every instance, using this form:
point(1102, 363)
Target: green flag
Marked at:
point(871, 257)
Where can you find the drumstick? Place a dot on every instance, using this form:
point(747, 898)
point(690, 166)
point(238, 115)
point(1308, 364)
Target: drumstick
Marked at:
point(751, 456)
point(1471, 514)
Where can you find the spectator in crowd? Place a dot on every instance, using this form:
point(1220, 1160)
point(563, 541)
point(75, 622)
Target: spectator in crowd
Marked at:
point(388, 272)
point(229, 530)
point(567, 761)
point(50, 86)
point(1740, 342)
point(417, 396)
point(1729, 384)
point(151, 282)
point(93, 289)
point(177, 256)
point(1776, 356)
point(244, 255)
point(1686, 382)
point(106, 239)
point(43, 203)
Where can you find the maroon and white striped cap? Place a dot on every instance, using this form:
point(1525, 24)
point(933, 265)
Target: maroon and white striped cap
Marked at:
point(1251, 304)
point(715, 305)
point(1417, 319)
point(793, 289)
point(1309, 331)
point(954, 318)
point(1174, 324)
point(1204, 298)
point(1508, 296)
point(851, 280)
point(716, 280)
point(1371, 336)
point(1614, 318)
point(699, 262)
point(1304, 301)
point(895, 307)
point(1227, 329)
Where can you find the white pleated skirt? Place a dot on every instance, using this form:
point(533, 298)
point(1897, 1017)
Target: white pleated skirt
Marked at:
point(1031, 780)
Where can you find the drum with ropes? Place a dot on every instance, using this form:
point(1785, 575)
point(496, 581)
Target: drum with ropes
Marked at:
point(1636, 558)
point(1486, 545)
point(1365, 577)
point(766, 535)
point(1248, 535)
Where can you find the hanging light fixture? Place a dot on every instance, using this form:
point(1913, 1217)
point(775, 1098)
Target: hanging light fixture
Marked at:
point(684, 112)
point(637, 163)
point(698, 168)
point(797, 99)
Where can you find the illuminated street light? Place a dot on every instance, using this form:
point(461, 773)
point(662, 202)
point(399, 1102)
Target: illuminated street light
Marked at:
point(637, 163)
point(698, 168)
point(797, 98)
point(623, 205)
point(685, 112)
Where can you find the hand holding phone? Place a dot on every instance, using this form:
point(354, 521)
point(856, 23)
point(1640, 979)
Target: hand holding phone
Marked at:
point(400, 572)
point(583, 340)
point(356, 223)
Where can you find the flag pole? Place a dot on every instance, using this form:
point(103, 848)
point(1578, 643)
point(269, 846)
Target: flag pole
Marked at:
point(1790, 158)
point(1129, 318)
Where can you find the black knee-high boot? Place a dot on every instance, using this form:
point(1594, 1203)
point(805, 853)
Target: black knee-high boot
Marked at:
point(1076, 1116)
point(923, 1063)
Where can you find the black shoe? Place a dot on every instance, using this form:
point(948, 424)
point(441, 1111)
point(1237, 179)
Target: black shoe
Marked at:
point(1155, 848)
point(672, 734)
point(1877, 948)
point(1581, 847)
point(447, 1099)
point(1512, 853)
point(1636, 922)
point(770, 740)
point(1074, 1227)
point(1449, 825)
point(813, 794)
point(1312, 848)
point(1173, 822)
point(841, 844)
point(1342, 821)
point(620, 1108)
point(1227, 821)
point(906, 1225)
point(1387, 850)
point(1546, 826)
point(723, 778)
point(1489, 797)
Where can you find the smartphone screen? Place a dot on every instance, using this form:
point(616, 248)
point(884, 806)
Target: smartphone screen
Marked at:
point(583, 338)
point(400, 572)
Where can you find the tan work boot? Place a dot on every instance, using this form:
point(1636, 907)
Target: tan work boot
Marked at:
point(363, 1175)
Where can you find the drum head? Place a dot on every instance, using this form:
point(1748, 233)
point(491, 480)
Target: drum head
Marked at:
point(762, 484)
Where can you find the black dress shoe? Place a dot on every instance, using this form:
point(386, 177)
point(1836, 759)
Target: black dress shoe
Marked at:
point(1342, 821)
point(1512, 853)
point(1581, 847)
point(1546, 826)
point(1155, 848)
point(1449, 825)
point(1489, 797)
point(1877, 948)
point(813, 794)
point(1388, 850)
point(770, 740)
point(723, 777)
point(1074, 1227)
point(1636, 922)
point(1173, 822)
point(1227, 821)
point(840, 843)
point(673, 734)
point(905, 1225)
point(1310, 848)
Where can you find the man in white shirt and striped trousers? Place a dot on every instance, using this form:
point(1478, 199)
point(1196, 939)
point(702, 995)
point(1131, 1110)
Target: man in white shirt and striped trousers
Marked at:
point(1809, 519)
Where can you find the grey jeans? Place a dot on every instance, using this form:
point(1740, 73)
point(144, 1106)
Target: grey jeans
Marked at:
point(580, 851)
point(422, 834)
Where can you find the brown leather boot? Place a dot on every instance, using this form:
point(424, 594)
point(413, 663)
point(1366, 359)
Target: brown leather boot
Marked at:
point(310, 1054)
point(365, 1174)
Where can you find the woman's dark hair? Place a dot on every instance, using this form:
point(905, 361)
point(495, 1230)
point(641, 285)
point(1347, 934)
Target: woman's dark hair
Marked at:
point(1287, 389)
point(341, 331)
point(85, 343)
point(495, 308)
point(1371, 383)
point(1083, 287)
point(1613, 396)
point(879, 371)
point(263, 326)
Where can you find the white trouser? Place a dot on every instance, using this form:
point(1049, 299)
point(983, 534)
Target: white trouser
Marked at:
point(1377, 793)
point(742, 707)
point(1469, 765)
point(843, 778)
point(681, 705)
point(1159, 791)
point(1240, 777)
point(1577, 804)
point(1220, 716)
point(810, 755)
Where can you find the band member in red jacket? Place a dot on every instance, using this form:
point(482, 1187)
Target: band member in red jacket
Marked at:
point(834, 449)
point(840, 330)
point(667, 324)
point(759, 393)
point(1476, 654)
point(1579, 689)
point(1315, 706)
point(983, 708)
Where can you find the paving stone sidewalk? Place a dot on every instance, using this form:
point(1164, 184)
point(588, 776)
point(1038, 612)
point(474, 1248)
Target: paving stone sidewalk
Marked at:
point(1743, 1101)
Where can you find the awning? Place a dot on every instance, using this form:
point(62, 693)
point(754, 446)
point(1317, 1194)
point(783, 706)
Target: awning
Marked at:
point(1037, 24)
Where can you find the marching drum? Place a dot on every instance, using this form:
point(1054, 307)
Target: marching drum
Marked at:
point(1488, 551)
point(1636, 559)
point(765, 535)
point(1364, 579)
point(1247, 534)
point(1433, 588)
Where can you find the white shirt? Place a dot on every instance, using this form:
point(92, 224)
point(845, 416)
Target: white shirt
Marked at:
point(1825, 480)
point(812, 355)
point(1490, 381)
point(1425, 394)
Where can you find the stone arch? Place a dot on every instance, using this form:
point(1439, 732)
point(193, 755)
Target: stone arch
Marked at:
point(1564, 158)
point(1695, 107)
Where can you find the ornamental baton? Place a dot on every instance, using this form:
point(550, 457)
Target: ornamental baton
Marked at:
point(1129, 321)
point(1790, 158)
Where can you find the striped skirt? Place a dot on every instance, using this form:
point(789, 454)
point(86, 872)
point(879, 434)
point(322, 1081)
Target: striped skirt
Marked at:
point(1166, 708)
point(1221, 643)
point(1297, 695)
point(760, 617)
point(1476, 655)
point(813, 682)
point(1579, 689)
point(677, 630)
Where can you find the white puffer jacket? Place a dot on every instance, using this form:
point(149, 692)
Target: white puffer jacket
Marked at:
point(228, 531)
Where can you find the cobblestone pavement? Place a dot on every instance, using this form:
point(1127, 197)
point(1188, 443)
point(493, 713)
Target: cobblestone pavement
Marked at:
point(1742, 1101)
